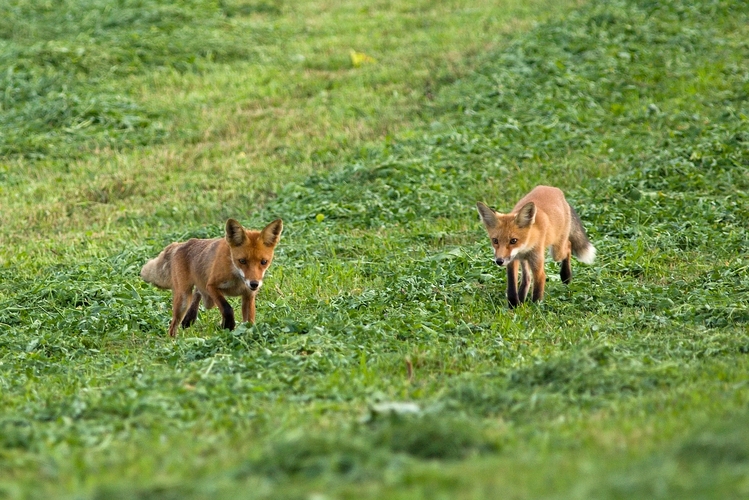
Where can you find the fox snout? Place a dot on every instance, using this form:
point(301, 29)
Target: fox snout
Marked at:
point(500, 261)
point(253, 284)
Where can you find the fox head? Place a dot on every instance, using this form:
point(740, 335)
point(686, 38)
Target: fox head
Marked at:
point(508, 232)
point(252, 251)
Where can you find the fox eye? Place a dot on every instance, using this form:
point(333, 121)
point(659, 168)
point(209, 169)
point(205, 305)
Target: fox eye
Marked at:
point(263, 262)
point(243, 261)
point(513, 241)
point(495, 241)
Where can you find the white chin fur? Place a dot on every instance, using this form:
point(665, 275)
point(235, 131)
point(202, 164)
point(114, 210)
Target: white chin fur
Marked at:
point(588, 255)
point(517, 251)
point(237, 271)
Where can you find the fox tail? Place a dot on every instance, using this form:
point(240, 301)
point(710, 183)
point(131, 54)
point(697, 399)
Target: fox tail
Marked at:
point(158, 271)
point(581, 246)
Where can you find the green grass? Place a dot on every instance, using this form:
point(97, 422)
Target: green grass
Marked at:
point(629, 383)
point(172, 98)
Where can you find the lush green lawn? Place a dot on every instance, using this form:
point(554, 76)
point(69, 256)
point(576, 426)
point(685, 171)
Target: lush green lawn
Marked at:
point(260, 92)
point(155, 123)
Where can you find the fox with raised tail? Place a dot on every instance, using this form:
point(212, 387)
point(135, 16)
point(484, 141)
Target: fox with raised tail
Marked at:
point(541, 219)
point(230, 266)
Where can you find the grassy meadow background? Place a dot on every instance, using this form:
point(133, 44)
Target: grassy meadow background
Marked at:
point(127, 125)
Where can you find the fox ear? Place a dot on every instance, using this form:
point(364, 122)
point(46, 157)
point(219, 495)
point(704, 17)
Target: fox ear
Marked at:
point(271, 233)
point(235, 234)
point(488, 216)
point(527, 215)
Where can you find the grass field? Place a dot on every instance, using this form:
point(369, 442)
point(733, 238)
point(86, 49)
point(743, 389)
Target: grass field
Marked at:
point(127, 126)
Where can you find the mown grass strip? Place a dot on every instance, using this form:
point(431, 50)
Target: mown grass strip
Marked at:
point(629, 383)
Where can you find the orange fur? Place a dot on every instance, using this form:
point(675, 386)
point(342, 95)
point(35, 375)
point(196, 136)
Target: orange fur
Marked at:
point(541, 219)
point(231, 266)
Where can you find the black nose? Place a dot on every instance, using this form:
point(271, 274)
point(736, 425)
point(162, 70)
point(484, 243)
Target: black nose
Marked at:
point(254, 285)
point(499, 261)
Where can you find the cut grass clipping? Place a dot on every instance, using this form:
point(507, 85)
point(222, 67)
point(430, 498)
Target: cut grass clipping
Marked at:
point(385, 362)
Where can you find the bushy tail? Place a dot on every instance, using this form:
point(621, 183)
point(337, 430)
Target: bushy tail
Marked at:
point(581, 246)
point(158, 271)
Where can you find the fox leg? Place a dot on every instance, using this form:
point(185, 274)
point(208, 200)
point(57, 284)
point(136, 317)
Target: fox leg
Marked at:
point(179, 304)
point(536, 264)
point(512, 284)
point(563, 256)
point(227, 313)
point(248, 307)
point(566, 271)
point(525, 282)
point(192, 312)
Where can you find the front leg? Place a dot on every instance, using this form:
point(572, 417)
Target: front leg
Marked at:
point(525, 283)
point(512, 284)
point(227, 313)
point(248, 307)
point(536, 263)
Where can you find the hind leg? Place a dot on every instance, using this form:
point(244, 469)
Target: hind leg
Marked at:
point(192, 312)
point(566, 271)
point(563, 254)
point(179, 305)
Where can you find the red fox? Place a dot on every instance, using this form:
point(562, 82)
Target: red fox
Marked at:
point(233, 266)
point(541, 219)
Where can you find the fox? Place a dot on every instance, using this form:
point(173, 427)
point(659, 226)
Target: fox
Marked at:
point(541, 219)
point(233, 265)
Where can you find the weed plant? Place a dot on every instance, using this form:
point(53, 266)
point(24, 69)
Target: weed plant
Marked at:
point(628, 383)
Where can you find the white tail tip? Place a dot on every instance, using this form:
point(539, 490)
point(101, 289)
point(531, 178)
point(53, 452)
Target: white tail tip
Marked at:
point(588, 255)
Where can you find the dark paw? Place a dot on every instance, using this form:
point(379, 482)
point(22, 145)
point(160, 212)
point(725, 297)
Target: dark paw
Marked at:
point(188, 320)
point(566, 278)
point(228, 323)
point(566, 273)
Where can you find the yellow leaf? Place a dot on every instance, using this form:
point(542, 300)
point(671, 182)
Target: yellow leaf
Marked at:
point(359, 58)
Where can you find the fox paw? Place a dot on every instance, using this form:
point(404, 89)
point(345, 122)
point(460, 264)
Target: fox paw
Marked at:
point(188, 320)
point(228, 323)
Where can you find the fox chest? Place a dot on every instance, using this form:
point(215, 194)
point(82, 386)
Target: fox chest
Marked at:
point(233, 286)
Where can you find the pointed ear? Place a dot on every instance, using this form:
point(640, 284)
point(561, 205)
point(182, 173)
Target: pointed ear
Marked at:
point(272, 233)
point(235, 234)
point(527, 215)
point(488, 216)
